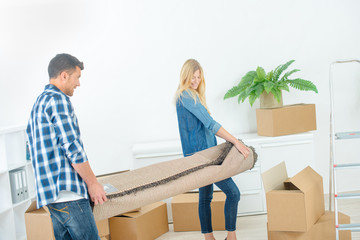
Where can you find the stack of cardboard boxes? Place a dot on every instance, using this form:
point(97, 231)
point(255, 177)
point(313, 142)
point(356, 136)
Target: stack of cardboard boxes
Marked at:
point(39, 225)
point(146, 223)
point(295, 206)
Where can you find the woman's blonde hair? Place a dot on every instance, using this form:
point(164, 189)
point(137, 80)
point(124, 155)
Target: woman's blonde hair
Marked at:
point(187, 72)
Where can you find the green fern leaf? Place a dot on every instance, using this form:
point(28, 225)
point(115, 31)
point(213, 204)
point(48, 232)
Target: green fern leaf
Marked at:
point(280, 69)
point(248, 79)
point(269, 76)
point(277, 94)
point(233, 92)
point(303, 85)
point(259, 89)
point(252, 98)
point(242, 96)
point(283, 86)
point(268, 86)
point(286, 75)
point(251, 90)
point(240, 99)
point(261, 74)
point(245, 82)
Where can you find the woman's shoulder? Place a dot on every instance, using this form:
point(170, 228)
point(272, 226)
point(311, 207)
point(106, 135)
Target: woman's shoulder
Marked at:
point(189, 99)
point(188, 95)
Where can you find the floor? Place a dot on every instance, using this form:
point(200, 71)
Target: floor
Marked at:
point(254, 227)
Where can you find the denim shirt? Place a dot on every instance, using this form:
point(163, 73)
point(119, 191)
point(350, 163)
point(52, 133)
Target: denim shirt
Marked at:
point(197, 128)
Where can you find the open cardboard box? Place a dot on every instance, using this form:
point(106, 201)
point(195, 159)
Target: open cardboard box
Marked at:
point(286, 120)
point(186, 215)
point(39, 225)
point(324, 228)
point(293, 204)
point(41, 217)
point(147, 224)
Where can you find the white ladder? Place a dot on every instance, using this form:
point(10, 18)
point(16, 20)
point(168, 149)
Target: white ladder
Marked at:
point(334, 166)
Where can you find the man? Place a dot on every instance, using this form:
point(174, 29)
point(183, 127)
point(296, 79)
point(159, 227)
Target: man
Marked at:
point(63, 176)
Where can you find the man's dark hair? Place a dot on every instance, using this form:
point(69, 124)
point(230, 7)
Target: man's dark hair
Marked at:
point(63, 62)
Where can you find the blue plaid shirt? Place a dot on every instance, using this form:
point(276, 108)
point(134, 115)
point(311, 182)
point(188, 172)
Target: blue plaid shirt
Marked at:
point(54, 139)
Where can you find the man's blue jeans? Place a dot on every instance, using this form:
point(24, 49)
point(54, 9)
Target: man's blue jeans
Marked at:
point(73, 220)
point(232, 192)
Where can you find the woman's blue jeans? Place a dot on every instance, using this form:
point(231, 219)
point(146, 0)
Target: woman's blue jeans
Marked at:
point(73, 220)
point(232, 192)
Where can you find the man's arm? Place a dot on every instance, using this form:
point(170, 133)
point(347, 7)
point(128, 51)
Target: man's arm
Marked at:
point(96, 190)
point(67, 130)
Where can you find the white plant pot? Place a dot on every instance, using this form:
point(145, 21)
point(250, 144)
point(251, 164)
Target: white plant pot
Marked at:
point(267, 100)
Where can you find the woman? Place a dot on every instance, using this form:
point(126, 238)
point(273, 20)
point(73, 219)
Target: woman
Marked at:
point(197, 132)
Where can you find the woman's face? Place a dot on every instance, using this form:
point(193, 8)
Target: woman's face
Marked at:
point(195, 81)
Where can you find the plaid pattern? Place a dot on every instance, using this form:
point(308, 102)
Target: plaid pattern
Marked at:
point(54, 139)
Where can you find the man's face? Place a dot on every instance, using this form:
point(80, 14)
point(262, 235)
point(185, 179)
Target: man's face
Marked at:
point(72, 81)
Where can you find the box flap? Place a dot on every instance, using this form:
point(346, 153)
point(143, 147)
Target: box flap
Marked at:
point(305, 179)
point(143, 210)
point(32, 207)
point(290, 186)
point(274, 178)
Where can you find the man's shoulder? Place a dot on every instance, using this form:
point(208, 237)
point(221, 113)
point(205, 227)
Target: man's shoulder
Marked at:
point(54, 96)
point(52, 101)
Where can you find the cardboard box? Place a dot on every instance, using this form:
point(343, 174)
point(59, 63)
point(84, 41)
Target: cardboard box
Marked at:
point(103, 228)
point(186, 214)
point(286, 120)
point(324, 228)
point(293, 204)
point(40, 218)
point(147, 224)
point(36, 219)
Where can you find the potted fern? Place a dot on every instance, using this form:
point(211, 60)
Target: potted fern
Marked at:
point(268, 86)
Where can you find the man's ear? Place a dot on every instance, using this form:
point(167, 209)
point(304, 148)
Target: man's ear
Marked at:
point(64, 75)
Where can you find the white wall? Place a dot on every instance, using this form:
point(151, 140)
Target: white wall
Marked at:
point(133, 52)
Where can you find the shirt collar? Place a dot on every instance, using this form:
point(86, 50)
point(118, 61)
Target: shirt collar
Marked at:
point(54, 89)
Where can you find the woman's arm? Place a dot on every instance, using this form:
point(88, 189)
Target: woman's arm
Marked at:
point(199, 112)
point(228, 137)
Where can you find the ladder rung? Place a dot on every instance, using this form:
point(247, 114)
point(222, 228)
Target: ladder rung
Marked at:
point(347, 195)
point(347, 135)
point(352, 227)
point(346, 165)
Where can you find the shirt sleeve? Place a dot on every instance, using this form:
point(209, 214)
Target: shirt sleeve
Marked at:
point(200, 112)
point(67, 130)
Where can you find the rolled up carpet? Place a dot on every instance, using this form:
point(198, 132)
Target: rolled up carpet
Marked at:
point(146, 185)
